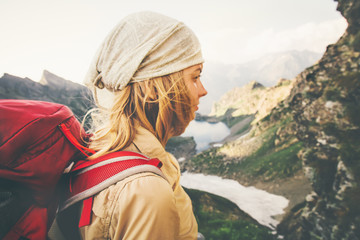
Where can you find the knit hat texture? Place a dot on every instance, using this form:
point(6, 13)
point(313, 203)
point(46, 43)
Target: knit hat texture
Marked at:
point(142, 46)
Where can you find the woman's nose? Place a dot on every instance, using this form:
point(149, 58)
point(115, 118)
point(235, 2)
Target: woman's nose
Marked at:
point(202, 90)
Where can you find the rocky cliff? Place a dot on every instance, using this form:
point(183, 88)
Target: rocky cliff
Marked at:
point(50, 88)
point(181, 147)
point(261, 150)
point(325, 104)
point(251, 99)
point(309, 140)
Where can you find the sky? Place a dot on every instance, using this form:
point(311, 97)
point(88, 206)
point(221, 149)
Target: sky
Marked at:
point(62, 36)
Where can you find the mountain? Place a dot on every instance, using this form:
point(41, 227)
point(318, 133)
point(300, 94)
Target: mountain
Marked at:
point(181, 147)
point(251, 99)
point(260, 153)
point(50, 88)
point(219, 78)
point(307, 147)
point(325, 103)
point(272, 67)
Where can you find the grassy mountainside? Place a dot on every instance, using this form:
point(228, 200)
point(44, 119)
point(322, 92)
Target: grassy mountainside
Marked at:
point(218, 219)
point(266, 157)
point(262, 149)
point(181, 147)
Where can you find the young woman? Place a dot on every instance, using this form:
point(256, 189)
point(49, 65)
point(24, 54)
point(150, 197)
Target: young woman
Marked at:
point(150, 64)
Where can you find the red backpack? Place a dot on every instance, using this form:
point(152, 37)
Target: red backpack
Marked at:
point(38, 141)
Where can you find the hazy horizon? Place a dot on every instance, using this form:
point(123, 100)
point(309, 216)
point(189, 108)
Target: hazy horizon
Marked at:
point(62, 36)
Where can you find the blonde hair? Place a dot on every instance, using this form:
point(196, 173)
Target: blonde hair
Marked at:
point(161, 105)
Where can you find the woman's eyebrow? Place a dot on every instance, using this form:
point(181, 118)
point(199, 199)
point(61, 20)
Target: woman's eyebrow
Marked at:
point(198, 69)
point(196, 72)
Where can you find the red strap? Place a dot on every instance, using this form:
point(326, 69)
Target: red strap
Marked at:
point(73, 140)
point(85, 218)
point(84, 164)
point(155, 162)
point(84, 180)
point(94, 176)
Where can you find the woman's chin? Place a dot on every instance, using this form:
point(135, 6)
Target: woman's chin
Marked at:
point(193, 115)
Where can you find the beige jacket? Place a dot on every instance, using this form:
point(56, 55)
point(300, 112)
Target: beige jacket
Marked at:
point(144, 206)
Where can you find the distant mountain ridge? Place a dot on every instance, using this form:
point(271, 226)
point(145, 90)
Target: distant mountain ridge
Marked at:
point(252, 99)
point(50, 88)
point(272, 67)
point(220, 78)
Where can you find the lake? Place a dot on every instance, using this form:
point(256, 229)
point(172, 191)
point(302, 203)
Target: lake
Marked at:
point(259, 204)
point(205, 133)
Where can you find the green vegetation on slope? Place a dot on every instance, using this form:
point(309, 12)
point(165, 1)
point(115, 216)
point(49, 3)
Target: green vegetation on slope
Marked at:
point(219, 218)
point(269, 162)
point(230, 121)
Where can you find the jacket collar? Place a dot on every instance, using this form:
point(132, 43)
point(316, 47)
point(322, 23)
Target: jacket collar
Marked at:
point(149, 145)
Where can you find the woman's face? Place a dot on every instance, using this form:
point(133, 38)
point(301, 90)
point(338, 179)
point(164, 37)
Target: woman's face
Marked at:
point(194, 85)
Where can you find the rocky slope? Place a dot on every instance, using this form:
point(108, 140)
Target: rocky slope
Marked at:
point(251, 99)
point(308, 142)
point(261, 151)
point(325, 104)
point(181, 147)
point(50, 88)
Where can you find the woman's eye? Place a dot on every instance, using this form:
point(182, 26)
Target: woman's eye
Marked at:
point(197, 77)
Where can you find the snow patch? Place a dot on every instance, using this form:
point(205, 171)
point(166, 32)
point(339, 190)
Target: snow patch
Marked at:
point(259, 204)
point(181, 159)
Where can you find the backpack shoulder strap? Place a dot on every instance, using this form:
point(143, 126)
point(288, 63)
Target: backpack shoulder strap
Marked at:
point(90, 177)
